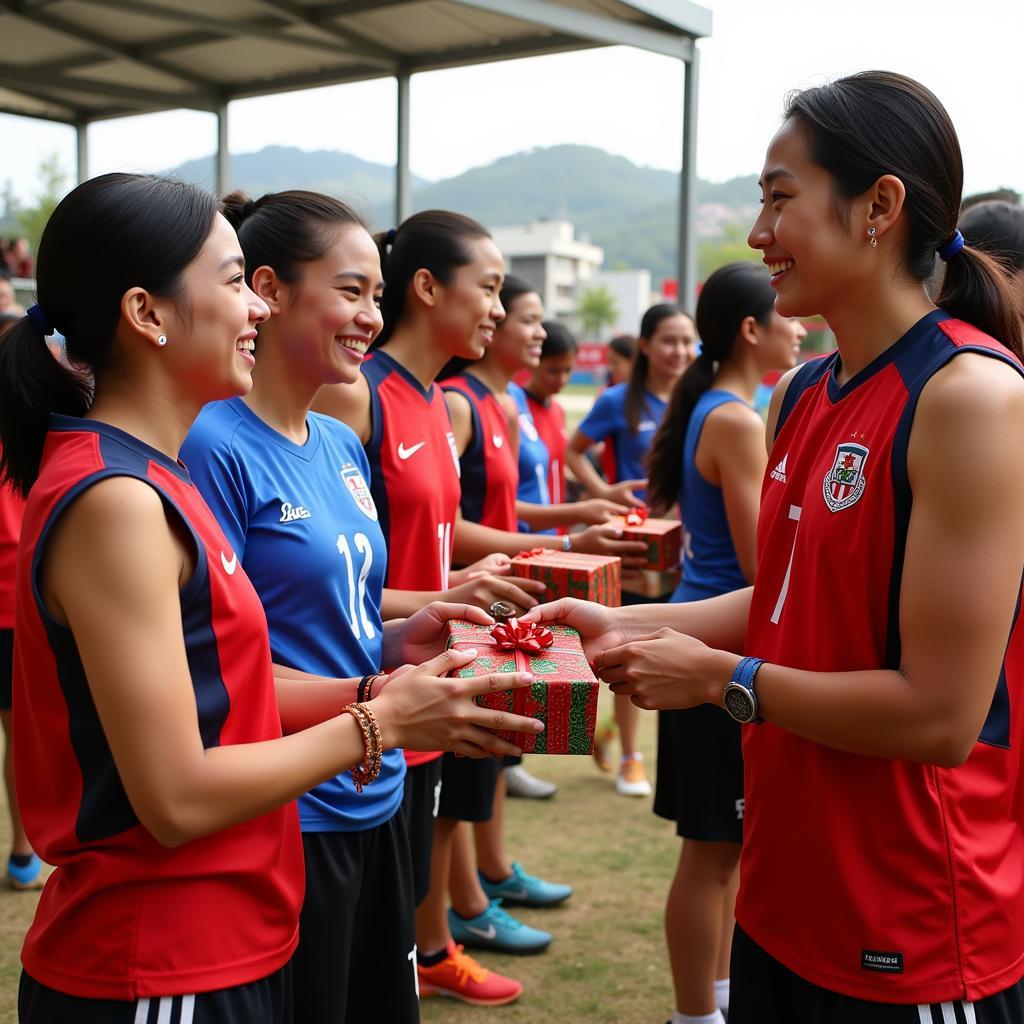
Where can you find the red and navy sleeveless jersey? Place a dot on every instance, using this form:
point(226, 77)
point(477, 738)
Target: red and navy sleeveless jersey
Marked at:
point(12, 508)
point(414, 480)
point(878, 878)
point(490, 473)
point(122, 917)
point(549, 419)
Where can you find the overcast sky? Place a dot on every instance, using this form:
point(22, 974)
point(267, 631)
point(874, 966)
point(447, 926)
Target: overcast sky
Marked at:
point(626, 101)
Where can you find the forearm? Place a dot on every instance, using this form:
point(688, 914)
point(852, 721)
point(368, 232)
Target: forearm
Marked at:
point(720, 622)
point(585, 473)
point(544, 517)
point(400, 604)
point(473, 541)
point(304, 700)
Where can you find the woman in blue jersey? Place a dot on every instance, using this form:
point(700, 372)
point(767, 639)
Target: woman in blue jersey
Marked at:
point(708, 455)
point(625, 418)
point(143, 678)
point(290, 489)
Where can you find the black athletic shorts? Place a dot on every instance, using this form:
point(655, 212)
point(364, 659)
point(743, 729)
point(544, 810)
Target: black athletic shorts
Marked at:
point(420, 805)
point(267, 1001)
point(356, 960)
point(6, 667)
point(700, 774)
point(763, 991)
point(467, 790)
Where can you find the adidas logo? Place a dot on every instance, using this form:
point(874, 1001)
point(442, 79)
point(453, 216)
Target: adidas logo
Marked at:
point(779, 472)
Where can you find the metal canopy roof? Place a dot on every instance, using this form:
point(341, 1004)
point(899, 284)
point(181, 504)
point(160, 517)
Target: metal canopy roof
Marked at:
point(84, 60)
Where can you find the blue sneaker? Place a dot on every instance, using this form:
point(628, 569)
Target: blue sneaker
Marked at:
point(497, 930)
point(25, 877)
point(523, 890)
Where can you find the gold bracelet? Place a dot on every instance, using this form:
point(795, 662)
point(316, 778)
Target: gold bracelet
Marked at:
point(369, 768)
point(378, 742)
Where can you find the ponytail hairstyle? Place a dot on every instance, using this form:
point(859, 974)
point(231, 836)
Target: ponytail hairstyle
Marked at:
point(623, 345)
point(434, 240)
point(110, 234)
point(997, 227)
point(559, 340)
point(283, 230)
point(730, 295)
point(877, 122)
point(636, 386)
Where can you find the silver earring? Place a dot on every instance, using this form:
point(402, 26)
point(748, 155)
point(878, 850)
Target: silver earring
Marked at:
point(871, 235)
point(162, 340)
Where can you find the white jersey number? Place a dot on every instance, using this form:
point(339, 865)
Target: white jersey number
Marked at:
point(794, 514)
point(444, 548)
point(358, 616)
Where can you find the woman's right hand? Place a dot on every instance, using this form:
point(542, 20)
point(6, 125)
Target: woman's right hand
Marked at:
point(486, 588)
point(622, 492)
point(593, 511)
point(607, 540)
point(598, 626)
point(420, 709)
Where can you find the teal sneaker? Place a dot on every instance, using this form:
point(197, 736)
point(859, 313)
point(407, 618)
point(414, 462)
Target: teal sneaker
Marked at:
point(25, 877)
point(523, 890)
point(497, 930)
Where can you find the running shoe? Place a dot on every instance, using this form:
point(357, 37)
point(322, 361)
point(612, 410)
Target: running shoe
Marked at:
point(632, 779)
point(519, 782)
point(460, 977)
point(498, 930)
point(523, 890)
point(25, 877)
point(604, 735)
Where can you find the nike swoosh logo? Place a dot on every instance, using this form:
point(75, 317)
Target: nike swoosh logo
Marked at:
point(485, 933)
point(229, 566)
point(498, 440)
point(407, 453)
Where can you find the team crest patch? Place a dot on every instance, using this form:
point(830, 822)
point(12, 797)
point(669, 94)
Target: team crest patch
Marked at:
point(356, 486)
point(844, 482)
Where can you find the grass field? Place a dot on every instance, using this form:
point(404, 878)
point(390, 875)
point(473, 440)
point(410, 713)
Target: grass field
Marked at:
point(608, 960)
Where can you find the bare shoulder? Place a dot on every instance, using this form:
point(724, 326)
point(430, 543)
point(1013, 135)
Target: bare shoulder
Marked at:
point(349, 403)
point(972, 392)
point(775, 406)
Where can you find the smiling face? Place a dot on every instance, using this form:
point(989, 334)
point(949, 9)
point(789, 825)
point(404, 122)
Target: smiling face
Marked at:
point(329, 317)
point(552, 374)
point(778, 341)
point(807, 248)
point(671, 348)
point(467, 309)
point(211, 324)
point(519, 340)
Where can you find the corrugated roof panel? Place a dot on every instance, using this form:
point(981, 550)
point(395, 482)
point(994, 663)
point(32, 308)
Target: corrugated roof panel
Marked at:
point(241, 60)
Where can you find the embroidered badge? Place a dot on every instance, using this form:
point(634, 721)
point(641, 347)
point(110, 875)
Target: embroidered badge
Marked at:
point(356, 485)
point(844, 482)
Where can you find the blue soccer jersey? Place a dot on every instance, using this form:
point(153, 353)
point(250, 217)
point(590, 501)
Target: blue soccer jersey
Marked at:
point(303, 523)
point(606, 422)
point(534, 460)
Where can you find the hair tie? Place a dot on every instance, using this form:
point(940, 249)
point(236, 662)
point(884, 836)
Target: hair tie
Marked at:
point(37, 315)
point(389, 236)
point(952, 247)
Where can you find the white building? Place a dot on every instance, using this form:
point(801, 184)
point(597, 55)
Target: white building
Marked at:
point(631, 290)
point(547, 255)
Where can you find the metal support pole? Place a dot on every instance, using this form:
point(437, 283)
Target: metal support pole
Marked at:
point(687, 254)
point(82, 151)
point(222, 169)
point(403, 179)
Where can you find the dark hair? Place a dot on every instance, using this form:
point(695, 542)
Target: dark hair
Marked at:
point(623, 345)
point(559, 340)
point(729, 296)
point(137, 231)
point(636, 386)
point(997, 227)
point(283, 230)
point(434, 240)
point(874, 123)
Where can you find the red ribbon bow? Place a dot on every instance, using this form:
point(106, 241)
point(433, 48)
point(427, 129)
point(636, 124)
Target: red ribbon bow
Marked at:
point(516, 635)
point(637, 516)
point(532, 553)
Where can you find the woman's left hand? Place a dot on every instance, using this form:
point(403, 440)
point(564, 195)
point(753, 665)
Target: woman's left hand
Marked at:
point(423, 635)
point(666, 670)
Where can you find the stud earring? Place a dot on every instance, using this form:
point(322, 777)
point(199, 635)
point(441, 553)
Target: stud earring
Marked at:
point(162, 340)
point(871, 235)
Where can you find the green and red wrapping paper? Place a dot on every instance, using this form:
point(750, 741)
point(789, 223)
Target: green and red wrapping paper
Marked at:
point(572, 574)
point(663, 537)
point(563, 695)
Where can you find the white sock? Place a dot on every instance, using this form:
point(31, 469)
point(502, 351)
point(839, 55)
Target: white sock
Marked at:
point(722, 993)
point(705, 1018)
point(635, 756)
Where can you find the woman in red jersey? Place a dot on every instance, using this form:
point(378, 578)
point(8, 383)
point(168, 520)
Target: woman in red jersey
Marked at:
point(142, 676)
point(882, 662)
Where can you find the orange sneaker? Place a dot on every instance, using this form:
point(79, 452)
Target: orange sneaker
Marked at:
point(604, 734)
point(461, 977)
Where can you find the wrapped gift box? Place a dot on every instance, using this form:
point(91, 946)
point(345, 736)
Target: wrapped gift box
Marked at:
point(572, 574)
point(652, 584)
point(663, 537)
point(563, 695)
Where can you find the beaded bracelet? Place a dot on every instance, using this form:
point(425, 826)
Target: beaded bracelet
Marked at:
point(369, 768)
point(365, 688)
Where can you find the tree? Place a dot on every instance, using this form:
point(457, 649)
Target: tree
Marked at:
point(596, 310)
point(713, 253)
point(53, 184)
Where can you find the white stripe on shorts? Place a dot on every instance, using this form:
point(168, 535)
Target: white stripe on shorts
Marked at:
point(142, 1012)
point(188, 1009)
point(164, 1013)
point(969, 1013)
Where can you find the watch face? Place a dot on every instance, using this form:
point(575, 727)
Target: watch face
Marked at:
point(738, 702)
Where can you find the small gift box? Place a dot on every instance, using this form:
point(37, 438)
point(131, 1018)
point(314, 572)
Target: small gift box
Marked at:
point(663, 538)
point(563, 695)
point(572, 574)
point(652, 584)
